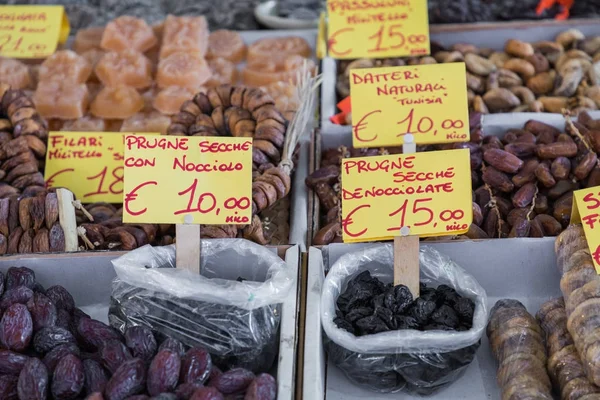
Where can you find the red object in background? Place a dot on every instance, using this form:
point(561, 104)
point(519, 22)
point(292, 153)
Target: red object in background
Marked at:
point(565, 5)
point(345, 106)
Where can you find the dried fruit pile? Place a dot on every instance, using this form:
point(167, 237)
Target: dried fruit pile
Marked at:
point(544, 76)
point(369, 306)
point(51, 349)
point(517, 344)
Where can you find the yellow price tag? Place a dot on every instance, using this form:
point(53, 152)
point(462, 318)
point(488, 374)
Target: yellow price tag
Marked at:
point(90, 164)
point(427, 101)
point(423, 194)
point(201, 180)
point(32, 31)
point(377, 29)
point(586, 209)
point(321, 35)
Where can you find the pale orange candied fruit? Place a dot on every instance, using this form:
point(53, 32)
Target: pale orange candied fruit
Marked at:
point(223, 72)
point(183, 70)
point(92, 56)
point(118, 102)
point(87, 123)
point(61, 99)
point(284, 94)
point(226, 44)
point(128, 67)
point(278, 49)
point(169, 100)
point(184, 34)
point(127, 32)
point(152, 121)
point(88, 39)
point(65, 66)
point(14, 73)
point(267, 72)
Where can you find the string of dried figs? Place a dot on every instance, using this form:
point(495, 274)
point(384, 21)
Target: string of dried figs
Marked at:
point(544, 76)
point(23, 135)
point(242, 112)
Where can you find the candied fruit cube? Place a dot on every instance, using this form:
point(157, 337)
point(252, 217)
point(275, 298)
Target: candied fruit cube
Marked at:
point(169, 100)
point(223, 72)
point(88, 39)
point(127, 32)
point(14, 73)
point(267, 72)
point(184, 34)
point(84, 124)
point(226, 44)
point(93, 56)
point(183, 70)
point(117, 102)
point(278, 49)
point(128, 67)
point(147, 122)
point(65, 66)
point(62, 100)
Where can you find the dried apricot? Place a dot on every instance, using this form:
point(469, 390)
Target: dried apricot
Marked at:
point(127, 32)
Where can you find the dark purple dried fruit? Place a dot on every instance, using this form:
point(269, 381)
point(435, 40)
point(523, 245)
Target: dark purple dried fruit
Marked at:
point(196, 365)
point(42, 310)
point(406, 322)
point(215, 372)
point(113, 353)
point(33, 381)
point(207, 393)
point(63, 319)
point(465, 308)
point(128, 380)
point(165, 396)
point(1, 283)
point(163, 373)
point(398, 298)
point(421, 310)
point(68, 378)
point(8, 387)
point(233, 381)
point(16, 328)
point(48, 338)
point(11, 363)
point(95, 377)
point(20, 276)
point(445, 315)
point(173, 345)
point(186, 390)
point(61, 298)
point(19, 294)
point(141, 342)
point(264, 387)
point(56, 354)
point(94, 333)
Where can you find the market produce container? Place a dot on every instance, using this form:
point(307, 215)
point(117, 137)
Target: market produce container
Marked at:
point(523, 269)
point(88, 277)
point(488, 35)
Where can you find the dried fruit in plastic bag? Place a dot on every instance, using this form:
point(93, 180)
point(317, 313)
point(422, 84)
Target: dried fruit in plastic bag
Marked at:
point(163, 373)
point(128, 380)
point(141, 342)
point(196, 365)
point(95, 377)
point(263, 387)
point(68, 378)
point(233, 381)
point(33, 381)
point(446, 316)
point(16, 328)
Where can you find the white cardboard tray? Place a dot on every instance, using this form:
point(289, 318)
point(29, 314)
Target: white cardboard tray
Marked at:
point(523, 269)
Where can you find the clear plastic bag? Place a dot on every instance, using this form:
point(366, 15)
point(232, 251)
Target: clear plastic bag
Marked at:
point(233, 308)
point(404, 360)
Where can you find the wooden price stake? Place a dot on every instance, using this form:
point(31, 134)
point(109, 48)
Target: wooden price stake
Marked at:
point(586, 210)
point(188, 181)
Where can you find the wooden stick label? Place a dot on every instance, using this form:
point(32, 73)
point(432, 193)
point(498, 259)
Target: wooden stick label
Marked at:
point(424, 194)
point(170, 177)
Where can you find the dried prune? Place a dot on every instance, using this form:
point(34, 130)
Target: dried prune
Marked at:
point(437, 327)
point(63, 319)
point(263, 387)
point(56, 354)
point(16, 328)
point(68, 378)
point(8, 387)
point(20, 276)
point(358, 313)
point(448, 295)
point(421, 310)
point(48, 338)
point(465, 308)
point(163, 373)
point(38, 288)
point(61, 298)
point(343, 324)
point(128, 380)
point(207, 393)
point(186, 390)
point(19, 294)
point(398, 298)
point(95, 377)
point(387, 316)
point(370, 325)
point(113, 353)
point(42, 310)
point(195, 366)
point(141, 342)
point(93, 333)
point(406, 322)
point(33, 381)
point(445, 315)
point(233, 381)
point(11, 363)
point(173, 345)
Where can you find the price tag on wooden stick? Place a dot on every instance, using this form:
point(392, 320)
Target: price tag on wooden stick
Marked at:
point(32, 31)
point(586, 210)
point(377, 29)
point(427, 101)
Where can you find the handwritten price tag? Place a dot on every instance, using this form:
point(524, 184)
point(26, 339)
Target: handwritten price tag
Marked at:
point(32, 31)
point(377, 29)
point(427, 193)
point(172, 177)
point(428, 101)
point(87, 163)
point(586, 209)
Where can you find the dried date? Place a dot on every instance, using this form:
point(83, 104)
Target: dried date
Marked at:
point(128, 380)
point(38, 211)
point(56, 237)
point(95, 377)
point(163, 373)
point(24, 215)
point(68, 378)
point(33, 381)
point(8, 387)
point(42, 310)
point(11, 363)
point(61, 298)
point(263, 387)
point(233, 381)
point(57, 353)
point(41, 243)
point(20, 276)
point(20, 294)
point(207, 393)
point(26, 242)
point(93, 333)
point(48, 338)
point(195, 366)
point(113, 353)
point(16, 328)
point(141, 342)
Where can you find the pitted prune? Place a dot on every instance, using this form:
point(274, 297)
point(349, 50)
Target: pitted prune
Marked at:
point(358, 313)
point(421, 310)
point(196, 365)
point(465, 308)
point(11, 363)
point(48, 338)
point(437, 327)
point(233, 381)
point(16, 328)
point(93, 333)
point(20, 276)
point(42, 310)
point(20, 294)
point(445, 315)
point(186, 390)
point(56, 354)
point(95, 377)
point(263, 387)
point(113, 353)
point(173, 345)
point(207, 393)
point(37, 288)
point(398, 299)
point(128, 380)
point(33, 381)
point(8, 387)
point(163, 373)
point(68, 378)
point(141, 342)
point(387, 316)
point(61, 298)
point(371, 325)
point(448, 295)
point(343, 324)
point(406, 322)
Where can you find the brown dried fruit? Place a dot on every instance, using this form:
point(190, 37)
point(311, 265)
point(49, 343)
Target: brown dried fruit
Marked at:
point(233, 381)
point(526, 174)
point(33, 380)
point(26, 242)
point(536, 230)
point(128, 380)
point(13, 241)
point(585, 166)
point(497, 179)
point(594, 178)
point(538, 127)
point(41, 243)
point(477, 214)
point(502, 160)
point(561, 168)
point(551, 226)
point(4, 211)
point(163, 373)
point(524, 196)
point(13, 213)
point(562, 187)
point(541, 204)
point(562, 209)
point(37, 211)
point(196, 365)
point(542, 172)
point(555, 150)
point(476, 232)
point(24, 215)
point(56, 237)
point(51, 209)
point(520, 228)
point(119, 237)
point(113, 353)
point(68, 378)
point(520, 149)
